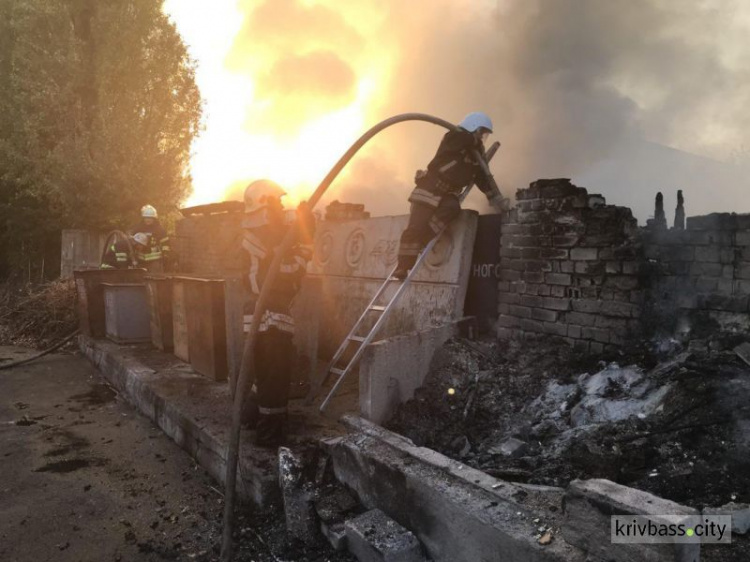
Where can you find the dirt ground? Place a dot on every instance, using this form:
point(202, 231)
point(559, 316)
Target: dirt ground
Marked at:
point(86, 478)
point(689, 441)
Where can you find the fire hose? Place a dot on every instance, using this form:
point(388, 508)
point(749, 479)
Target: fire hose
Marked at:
point(246, 373)
point(55, 347)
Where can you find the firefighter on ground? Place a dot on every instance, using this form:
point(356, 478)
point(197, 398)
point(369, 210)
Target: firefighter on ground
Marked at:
point(119, 256)
point(435, 199)
point(264, 226)
point(157, 251)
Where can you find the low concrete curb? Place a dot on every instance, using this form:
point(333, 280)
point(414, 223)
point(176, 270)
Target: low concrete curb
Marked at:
point(458, 513)
point(589, 507)
point(189, 408)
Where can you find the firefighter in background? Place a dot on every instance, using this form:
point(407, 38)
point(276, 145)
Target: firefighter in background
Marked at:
point(264, 226)
point(435, 199)
point(157, 252)
point(118, 254)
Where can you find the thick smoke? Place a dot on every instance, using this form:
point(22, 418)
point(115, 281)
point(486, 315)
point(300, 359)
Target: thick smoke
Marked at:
point(568, 83)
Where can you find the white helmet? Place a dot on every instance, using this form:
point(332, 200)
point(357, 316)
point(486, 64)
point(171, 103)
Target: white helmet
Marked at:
point(259, 192)
point(149, 212)
point(141, 238)
point(476, 120)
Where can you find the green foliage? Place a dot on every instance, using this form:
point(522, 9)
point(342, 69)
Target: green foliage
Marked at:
point(98, 109)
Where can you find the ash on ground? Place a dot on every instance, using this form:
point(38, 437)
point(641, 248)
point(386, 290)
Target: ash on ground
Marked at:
point(676, 425)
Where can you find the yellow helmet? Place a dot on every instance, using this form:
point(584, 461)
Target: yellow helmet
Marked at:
point(149, 212)
point(259, 192)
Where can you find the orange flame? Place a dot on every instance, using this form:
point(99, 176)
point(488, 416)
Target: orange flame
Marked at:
point(288, 86)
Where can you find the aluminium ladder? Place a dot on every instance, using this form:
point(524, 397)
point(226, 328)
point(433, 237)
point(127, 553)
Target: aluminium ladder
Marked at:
point(381, 311)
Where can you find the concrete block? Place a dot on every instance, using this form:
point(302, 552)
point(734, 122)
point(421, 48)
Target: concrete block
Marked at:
point(574, 331)
point(392, 369)
point(557, 279)
point(464, 515)
point(533, 277)
point(520, 311)
point(707, 253)
point(586, 305)
point(335, 534)
point(589, 507)
point(580, 318)
point(566, 240)
point(740, 513)
point(555, 329)
point(619, 309)
point(559, 304)
point(742, 238)
point(299, 510)
point(544, 315)
point(713, 221)
point(622, 282)
point(532, 301)
point(532, 326)
point(554, 253)
point(708, 269)
point(375, 537)
point(584, 253)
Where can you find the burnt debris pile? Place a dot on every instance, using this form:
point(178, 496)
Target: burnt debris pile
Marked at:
point(676, 425)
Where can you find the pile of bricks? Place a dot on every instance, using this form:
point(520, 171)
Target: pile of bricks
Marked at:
point(570, 267)
point(338, 211)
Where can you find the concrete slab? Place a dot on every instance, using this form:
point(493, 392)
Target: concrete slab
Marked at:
point(392, 369)
point(589, 507)
point(352, 259)
point(740, 513)
point(195, 413)
point(375, 537)
point(458, 513)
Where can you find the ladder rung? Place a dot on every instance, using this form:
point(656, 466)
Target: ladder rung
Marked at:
point(357, 338)
point(336, 371)
point(377, 308)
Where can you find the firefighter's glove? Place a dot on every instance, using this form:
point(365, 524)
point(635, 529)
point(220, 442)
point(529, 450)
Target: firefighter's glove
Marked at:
point(498, 202)
point(305, 223)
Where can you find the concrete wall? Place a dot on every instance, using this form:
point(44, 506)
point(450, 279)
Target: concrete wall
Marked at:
point(576, 268)
point(353, 258)
point(392, 369)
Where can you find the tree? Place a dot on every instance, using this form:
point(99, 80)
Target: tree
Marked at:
point(98, 110)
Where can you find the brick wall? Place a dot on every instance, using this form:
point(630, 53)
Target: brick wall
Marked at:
point(574, 267)
point(701, 275)
point(570, 267)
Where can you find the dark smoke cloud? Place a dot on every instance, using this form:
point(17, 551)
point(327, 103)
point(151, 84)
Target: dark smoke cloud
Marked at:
point(568, 83)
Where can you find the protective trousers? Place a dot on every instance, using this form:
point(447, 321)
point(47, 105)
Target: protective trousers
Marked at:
point(425, 221)
point(274, 353)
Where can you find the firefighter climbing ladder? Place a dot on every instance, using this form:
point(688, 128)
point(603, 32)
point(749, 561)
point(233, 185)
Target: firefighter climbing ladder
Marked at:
point(379, 311)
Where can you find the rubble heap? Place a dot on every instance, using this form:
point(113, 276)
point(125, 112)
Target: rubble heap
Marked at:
point(679, 427)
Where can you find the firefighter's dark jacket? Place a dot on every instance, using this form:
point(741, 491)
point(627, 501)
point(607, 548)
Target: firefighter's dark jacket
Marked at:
point(263, 231)
point(117, 256)
point(158, 241)
point(452, 168)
